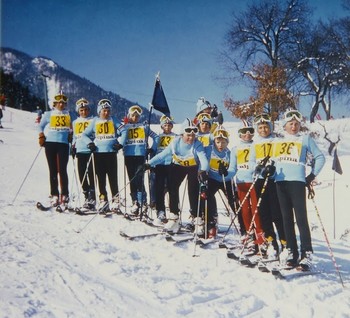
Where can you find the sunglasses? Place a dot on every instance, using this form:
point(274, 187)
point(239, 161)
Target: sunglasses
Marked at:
point(82, 102)
point(293, 114)
point(61, 98)
point(191, 130)
point(135, 109)
point(246, 130)
point(262, 118)
point(221, 133)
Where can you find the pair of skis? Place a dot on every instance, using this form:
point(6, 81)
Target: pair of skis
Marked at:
point(273, 266)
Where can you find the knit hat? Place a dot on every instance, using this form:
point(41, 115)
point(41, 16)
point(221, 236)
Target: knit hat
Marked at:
point(82, 102)
point(102, 104)
point(202, 104)
point(166, 120)
point(188, 127)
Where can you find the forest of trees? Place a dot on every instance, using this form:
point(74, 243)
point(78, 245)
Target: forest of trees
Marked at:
point(277, 48)
point(14, 93)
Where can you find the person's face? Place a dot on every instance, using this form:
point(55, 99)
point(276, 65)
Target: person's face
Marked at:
point(167, 128)
point(134, 118)
point(188, 138)
point(264, 130)
point(220, 143)
point(84, 112)
point(60, 105)
point(292, 127)
point(105, 113)
point(204, 127)
point(246, 137)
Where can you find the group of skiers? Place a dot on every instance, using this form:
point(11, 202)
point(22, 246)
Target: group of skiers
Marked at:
point(263, 177)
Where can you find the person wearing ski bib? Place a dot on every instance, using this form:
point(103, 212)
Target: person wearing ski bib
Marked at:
point(244, 179)
point(54, 134)
point(134, 138)
point(82, 152)
point(221, 172)
point(188, 159)
point(269, 210)
point(291, 152)
point(101, 136)
point(162, 170)
point(204, 135)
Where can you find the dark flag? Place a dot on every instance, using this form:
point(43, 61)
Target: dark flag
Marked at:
point(159, 101)
point(336, 163)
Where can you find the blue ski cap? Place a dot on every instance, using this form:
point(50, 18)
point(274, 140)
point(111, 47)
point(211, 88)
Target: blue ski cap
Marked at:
point(102, 104)
point(202, 104)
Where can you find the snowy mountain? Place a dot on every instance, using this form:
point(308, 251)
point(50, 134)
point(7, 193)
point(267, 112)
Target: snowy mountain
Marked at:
point(36, 72)
point(48, 269)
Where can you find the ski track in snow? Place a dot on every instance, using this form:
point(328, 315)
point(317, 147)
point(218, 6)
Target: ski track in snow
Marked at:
point(49, 270)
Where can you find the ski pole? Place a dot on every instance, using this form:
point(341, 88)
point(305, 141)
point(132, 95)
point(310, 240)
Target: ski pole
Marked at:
point(201, 195)
point(240, 206)
point(252, 222)
point(183, 198)
point(26, 176)
point(228, 211)
point(311, 195)
point(261, 165)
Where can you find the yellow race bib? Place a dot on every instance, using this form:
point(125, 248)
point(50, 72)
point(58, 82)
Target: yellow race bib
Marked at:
point(105, 130)
point(186, 162)
point(60, 122)
point(288, 151)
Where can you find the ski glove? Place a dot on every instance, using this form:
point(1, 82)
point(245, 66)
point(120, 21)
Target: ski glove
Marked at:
point(268, 171)
point(70, 137)
point(259, 169)
point(202, 176)
point(42, 139)
point(146, 166)
point(149, 151)
point(92, 147)
point(222, 169)
point(311, 177)
point(117, 146)
point(73, 151)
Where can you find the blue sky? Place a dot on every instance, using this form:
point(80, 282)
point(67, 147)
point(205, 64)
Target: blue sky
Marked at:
point(120, 45)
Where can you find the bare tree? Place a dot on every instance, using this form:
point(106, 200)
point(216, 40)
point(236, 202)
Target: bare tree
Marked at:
point(265, 33)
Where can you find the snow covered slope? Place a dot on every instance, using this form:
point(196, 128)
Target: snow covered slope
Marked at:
point(49, 270)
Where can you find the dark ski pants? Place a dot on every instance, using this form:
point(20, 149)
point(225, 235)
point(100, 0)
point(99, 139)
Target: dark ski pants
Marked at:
point(86, 172)
point(292, 197)
point(162, 173)
point(269, 210)
point(57, 155)
point(213, 187)
point(176, 176)
point(106, 164)
point(133, 163)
